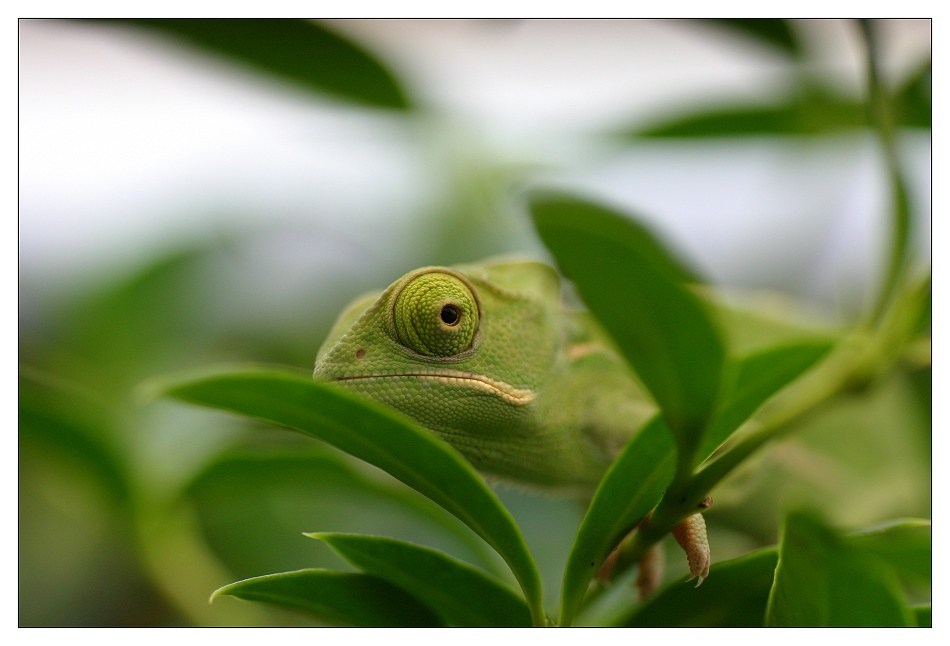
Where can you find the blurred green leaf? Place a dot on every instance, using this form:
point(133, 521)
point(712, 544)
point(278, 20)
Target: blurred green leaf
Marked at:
point(922, 301)
point(914, 99)
point(458, 593)
point(735, 595)
point(812, 112)
point(921, 382)
point(922, 616)
point(758, 376)
point(904, 544)
point(635, 288)
point(776, 32)
point(301, 51)
point(631, 488)
point(148, 320)
point(821, 581)
point(347, 598)
point(64, 420)
point(376, 435)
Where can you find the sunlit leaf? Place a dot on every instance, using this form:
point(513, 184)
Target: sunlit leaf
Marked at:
point(636, 289)
point(301, 51)
point(758, 376)
point(631, 488)
point(347, 598)
point(458, 593)
point(376, 435)
point(734, 595)
point(821, 581)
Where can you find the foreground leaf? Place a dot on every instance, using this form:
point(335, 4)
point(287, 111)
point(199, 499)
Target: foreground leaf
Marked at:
point(759, 376)
point(635, 288)
point(821, 581)
point(904, 544)
point(922, 616)
point(737, 591)
point(734, 595)
point(348, 598)
point(301, 51)
point(251, 503)
point(376, 435)
point(458, 593)
point(632, 487)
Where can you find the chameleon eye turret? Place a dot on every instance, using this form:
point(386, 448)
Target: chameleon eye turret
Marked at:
point(436, 315)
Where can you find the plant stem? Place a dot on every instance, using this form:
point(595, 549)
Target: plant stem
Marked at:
point(847, 367)
point(881, 118)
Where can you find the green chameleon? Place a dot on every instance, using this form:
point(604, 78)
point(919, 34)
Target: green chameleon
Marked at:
point(487, 358)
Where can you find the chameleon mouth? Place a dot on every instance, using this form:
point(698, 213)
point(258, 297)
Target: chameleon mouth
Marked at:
point(480, 383)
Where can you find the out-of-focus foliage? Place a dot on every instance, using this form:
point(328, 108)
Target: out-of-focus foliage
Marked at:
point(133, 511)
point(303, 52)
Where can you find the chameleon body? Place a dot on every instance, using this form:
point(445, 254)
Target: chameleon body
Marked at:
point(487, 358)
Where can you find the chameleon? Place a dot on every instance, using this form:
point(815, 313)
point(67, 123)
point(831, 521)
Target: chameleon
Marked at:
point(488, 358)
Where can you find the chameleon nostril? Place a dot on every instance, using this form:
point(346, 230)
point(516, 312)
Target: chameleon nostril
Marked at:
point(360, 354)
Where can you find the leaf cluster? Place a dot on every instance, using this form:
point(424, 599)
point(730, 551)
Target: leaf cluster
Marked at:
point(447, 550)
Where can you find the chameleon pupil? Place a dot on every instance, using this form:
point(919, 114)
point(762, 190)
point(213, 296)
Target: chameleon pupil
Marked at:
point(450, 315)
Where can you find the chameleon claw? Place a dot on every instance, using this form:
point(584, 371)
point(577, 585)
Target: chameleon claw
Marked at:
point(691, 536)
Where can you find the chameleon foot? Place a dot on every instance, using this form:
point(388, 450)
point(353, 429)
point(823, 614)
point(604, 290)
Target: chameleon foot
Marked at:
point(691, 536)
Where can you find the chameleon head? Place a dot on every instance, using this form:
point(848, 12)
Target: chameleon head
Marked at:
point(461, 351)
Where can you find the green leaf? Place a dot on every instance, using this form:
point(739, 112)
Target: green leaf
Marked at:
point(922, 616)
point(914, 100)
point(634, 287)
point(70, 423)
point(737, 591)
point(632, 487)
point(921, 301)
point(774, 31)
point(252, 503)
point(347, 598)
point(734, 596)
point(758, 376)
point(303, 52)
point(458, 593)
point(376, 435)
point(821, 581)
point(727, 122)
point(904, 544)
point(812, 112)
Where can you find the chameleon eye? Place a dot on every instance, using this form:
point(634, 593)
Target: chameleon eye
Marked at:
point(435, 315)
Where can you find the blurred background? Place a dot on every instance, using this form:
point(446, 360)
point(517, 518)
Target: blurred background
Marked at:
point(183, 204)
